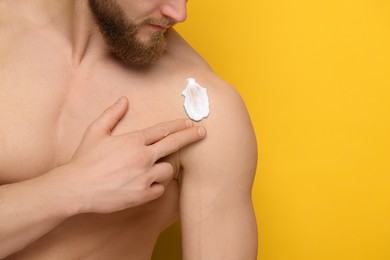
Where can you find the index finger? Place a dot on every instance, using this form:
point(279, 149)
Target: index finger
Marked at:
point(178, 140)
point(158, 132)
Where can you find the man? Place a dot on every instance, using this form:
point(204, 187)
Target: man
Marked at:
point(80, 183)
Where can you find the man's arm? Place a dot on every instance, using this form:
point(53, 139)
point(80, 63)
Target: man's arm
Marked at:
point(217, 216)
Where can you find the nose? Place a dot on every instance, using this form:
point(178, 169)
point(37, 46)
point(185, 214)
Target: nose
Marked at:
point(176, 10)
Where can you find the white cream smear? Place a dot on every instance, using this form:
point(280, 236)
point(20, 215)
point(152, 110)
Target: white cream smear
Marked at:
point(196, 101)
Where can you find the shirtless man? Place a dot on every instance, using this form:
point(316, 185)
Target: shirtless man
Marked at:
point(79, 181)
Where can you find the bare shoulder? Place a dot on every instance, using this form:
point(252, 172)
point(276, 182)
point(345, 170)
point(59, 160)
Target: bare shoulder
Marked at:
point(230, 146)
point(230, 140)
point(187, 62)
point(226, 103)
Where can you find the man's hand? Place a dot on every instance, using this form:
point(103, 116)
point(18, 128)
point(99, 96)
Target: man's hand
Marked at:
point(110, 173)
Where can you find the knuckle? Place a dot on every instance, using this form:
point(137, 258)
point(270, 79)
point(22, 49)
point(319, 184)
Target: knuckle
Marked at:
point(140, 188)
point(168, 169)
point(173, 145)
point(134, 138)
point(169, 175)
point(136, 141)
point(145, 157)
point(147, 181)
point(165, 170)
point(162, 130)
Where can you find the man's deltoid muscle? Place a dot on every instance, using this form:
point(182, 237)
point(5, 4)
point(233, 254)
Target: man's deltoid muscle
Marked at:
point(98, 155)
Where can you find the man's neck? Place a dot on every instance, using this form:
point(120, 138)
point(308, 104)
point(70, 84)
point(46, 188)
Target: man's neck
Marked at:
point(71, 20)
point(87, 42)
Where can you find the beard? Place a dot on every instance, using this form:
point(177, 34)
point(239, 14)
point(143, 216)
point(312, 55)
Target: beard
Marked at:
point(120, 34)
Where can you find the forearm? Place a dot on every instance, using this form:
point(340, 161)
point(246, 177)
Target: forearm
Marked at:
point(30, 209)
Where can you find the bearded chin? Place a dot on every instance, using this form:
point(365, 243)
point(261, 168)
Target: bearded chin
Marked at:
point(120, 35)
point(134, 52)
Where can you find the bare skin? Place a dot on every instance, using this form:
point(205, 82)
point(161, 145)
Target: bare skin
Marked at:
point(61, 190)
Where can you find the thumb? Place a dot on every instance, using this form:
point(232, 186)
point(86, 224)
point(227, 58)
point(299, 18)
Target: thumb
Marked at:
point(110, 117)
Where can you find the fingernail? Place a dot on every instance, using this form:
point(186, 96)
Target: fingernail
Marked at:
point(120, 100)
point(189, 123)
point(202, 131)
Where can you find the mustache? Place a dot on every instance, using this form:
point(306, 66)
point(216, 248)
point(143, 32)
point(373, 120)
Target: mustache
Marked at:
point(160, 22)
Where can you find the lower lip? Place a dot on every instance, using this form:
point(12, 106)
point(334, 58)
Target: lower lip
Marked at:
point(156, 27)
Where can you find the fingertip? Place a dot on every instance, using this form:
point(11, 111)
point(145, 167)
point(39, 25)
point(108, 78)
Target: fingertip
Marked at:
point(111, 116)
point(202, 131)
point(121, 100)
point(122, 104)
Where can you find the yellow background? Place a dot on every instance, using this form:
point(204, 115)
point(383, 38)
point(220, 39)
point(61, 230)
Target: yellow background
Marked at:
point(315, 75)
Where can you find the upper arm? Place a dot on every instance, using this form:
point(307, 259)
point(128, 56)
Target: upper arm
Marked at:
point(216, 209)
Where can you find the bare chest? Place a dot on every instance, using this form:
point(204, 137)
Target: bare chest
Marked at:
point(45, 109)
point(43, 117)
